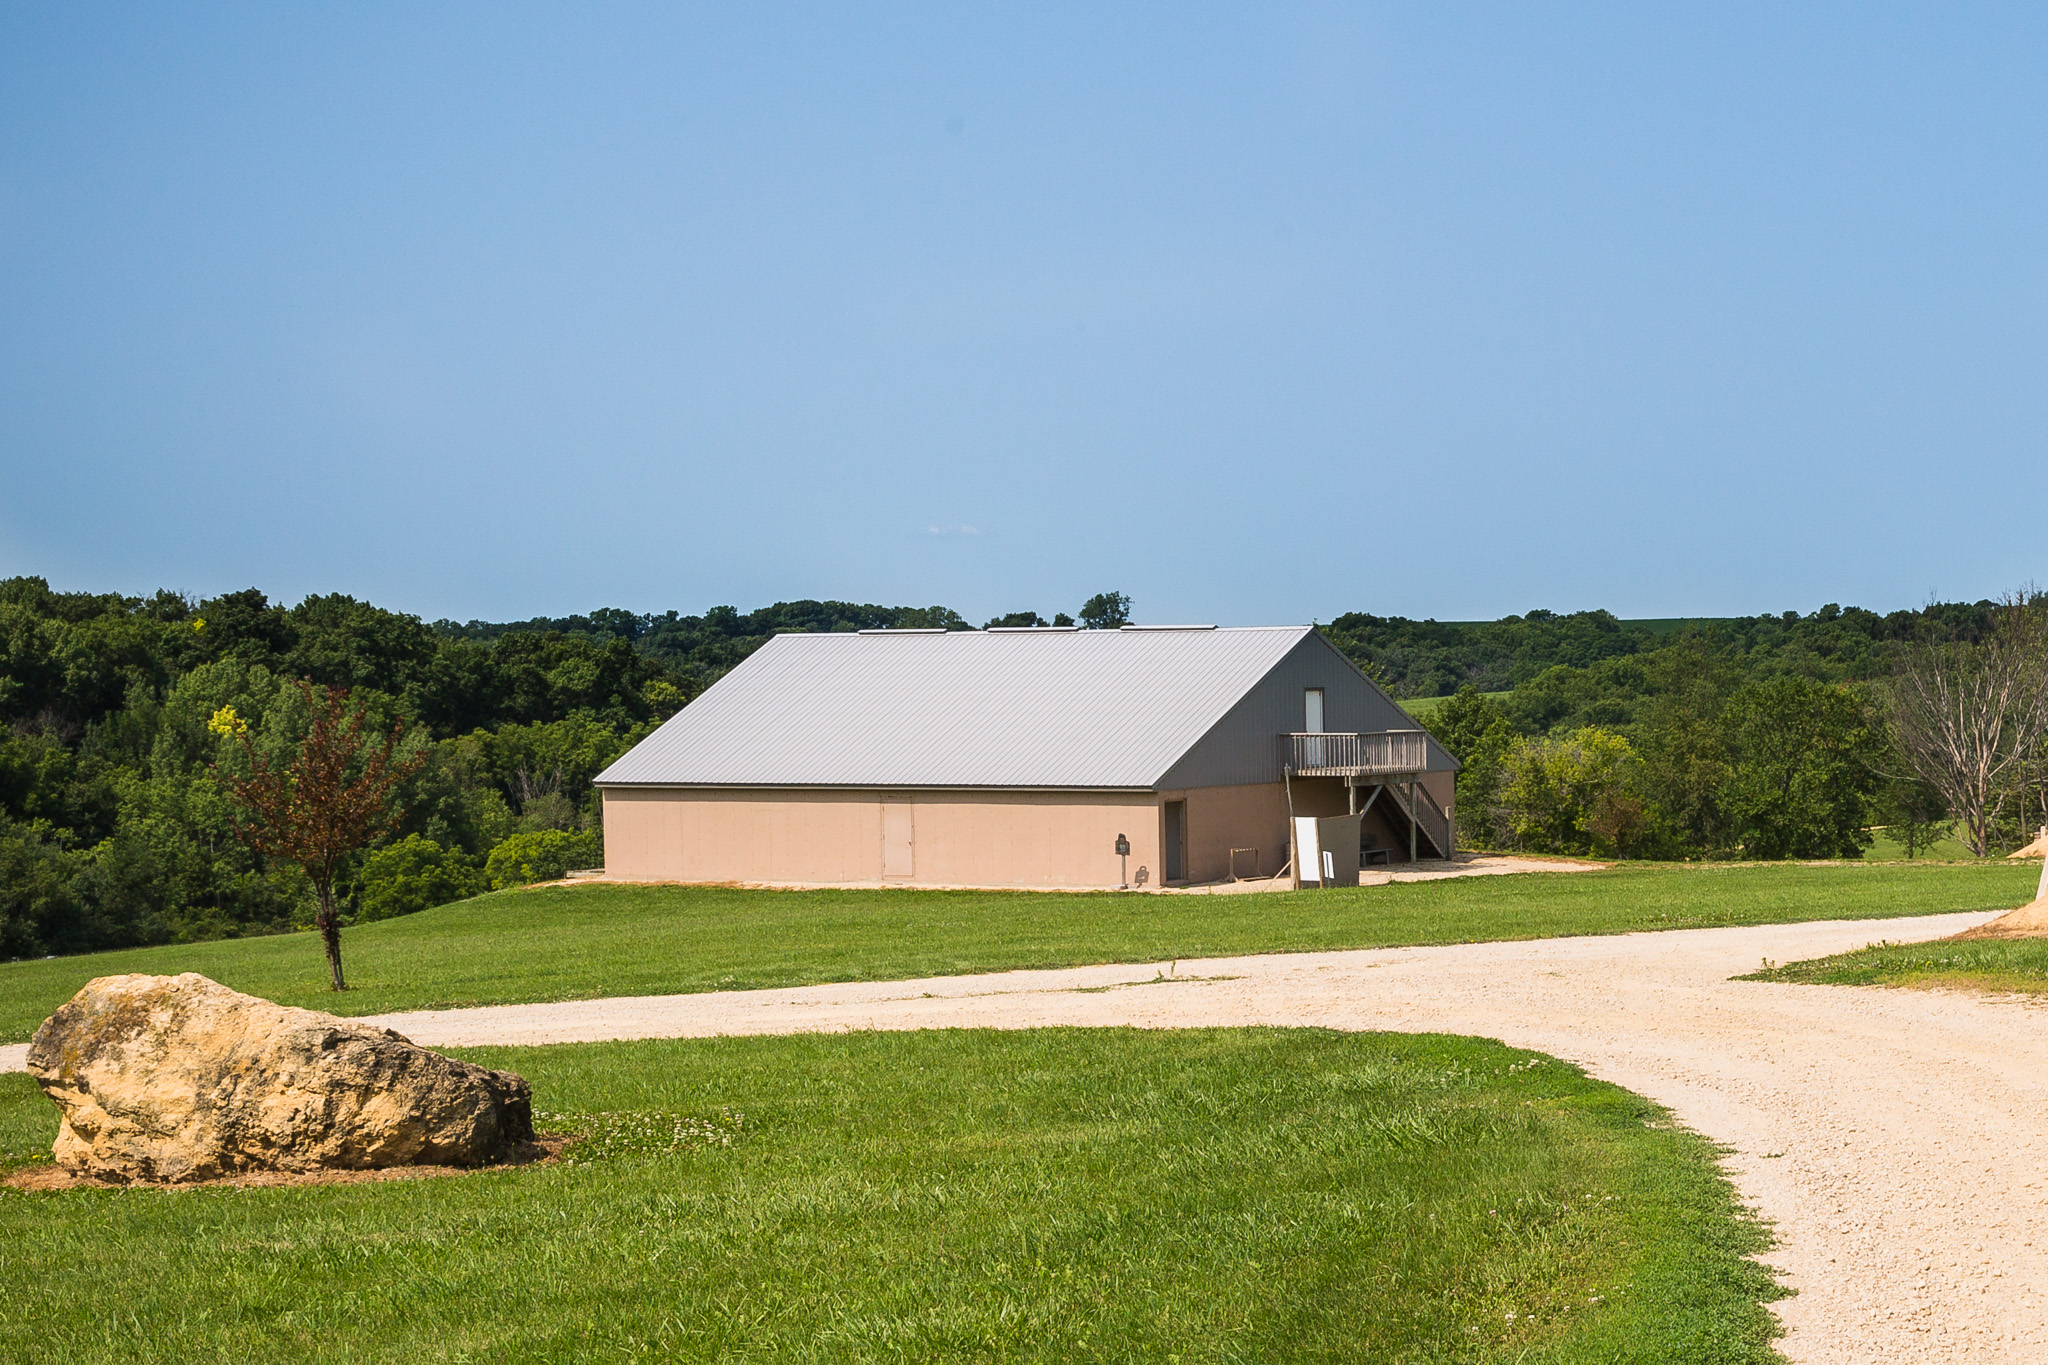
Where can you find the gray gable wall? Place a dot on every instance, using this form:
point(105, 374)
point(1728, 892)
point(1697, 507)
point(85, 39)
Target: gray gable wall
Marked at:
point(1244, 746)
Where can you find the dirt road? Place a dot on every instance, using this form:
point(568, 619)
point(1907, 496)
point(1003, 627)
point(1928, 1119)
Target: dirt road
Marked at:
point(1898, 1139)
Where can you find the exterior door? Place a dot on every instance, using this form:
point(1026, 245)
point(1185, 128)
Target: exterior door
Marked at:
point(1175, 854)
point(1312, 724)
point(899, 838)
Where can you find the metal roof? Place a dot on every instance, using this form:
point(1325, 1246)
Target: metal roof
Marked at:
point(1052, 708)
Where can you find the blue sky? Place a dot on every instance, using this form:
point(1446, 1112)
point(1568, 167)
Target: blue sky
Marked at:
point(1257, 314)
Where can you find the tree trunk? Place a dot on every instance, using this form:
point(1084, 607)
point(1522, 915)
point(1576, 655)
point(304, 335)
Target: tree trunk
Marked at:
point(1977, 819)
point(330, 934)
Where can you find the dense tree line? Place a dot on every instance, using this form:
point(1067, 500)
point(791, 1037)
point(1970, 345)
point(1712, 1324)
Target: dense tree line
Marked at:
point(697, 650)
point(115, 830)
point(1437, 658)
point(1761, 737)
point(116, 824)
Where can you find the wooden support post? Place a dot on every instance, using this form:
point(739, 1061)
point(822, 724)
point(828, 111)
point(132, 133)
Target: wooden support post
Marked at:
point(1413, 822)
point(1287, 779)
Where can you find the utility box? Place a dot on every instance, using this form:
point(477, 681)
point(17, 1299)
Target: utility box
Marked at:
point(1325, 850)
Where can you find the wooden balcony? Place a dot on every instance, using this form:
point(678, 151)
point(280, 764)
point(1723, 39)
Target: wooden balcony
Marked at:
point(1376, 753)
point(1391, 762)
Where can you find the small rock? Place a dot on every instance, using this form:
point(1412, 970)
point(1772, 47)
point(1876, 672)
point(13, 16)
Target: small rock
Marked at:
point(178, 1078)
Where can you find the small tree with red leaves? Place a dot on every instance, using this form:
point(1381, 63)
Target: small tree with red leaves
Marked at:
point(331, 797)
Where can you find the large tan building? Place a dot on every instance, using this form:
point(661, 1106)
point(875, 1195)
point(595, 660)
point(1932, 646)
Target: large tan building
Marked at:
point(1030, 758)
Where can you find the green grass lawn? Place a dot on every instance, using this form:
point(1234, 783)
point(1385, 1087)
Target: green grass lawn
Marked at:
point(1059, 1195)
point(1983, 964)
point(581, 942)
point(1885, 847)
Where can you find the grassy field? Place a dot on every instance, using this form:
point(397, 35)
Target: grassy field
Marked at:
point(1985, 964)
point(1423, 707)
point(582, 942)
point(1090, 1195)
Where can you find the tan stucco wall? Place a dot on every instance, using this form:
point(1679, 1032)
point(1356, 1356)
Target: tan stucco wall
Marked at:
point(834, 836)
point(1222, 818)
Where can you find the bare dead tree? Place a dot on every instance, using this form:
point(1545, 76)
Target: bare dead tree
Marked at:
point(330, 798)
point(1966, 717)
point(530, 787)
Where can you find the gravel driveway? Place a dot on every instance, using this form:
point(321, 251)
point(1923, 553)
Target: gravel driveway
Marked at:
point(1896, 1138)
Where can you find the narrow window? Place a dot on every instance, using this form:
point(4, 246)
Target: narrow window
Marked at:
point(1312, 708)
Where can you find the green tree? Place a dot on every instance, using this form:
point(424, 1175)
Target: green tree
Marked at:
point(663, 698)
point(545, 770)
point(1804, 772)
point(342, 642)
point(456, 800)
point(1566, 795)
point(43, 779)
point(1912, 812)
point(411, 875)
point(319, 805)
point(1471, 725)
point(39, 905)
point(930, 618)
point(544, 855)
point(1106, 611)
point(1564, 698)
point(1680, 733)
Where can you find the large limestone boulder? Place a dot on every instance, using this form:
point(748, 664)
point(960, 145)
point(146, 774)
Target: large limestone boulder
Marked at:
point(174, 1078)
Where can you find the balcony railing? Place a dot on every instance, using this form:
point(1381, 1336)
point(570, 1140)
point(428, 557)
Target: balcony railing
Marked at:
point(1355, 755)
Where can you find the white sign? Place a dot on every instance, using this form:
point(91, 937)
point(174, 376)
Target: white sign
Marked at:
point(1308, 850)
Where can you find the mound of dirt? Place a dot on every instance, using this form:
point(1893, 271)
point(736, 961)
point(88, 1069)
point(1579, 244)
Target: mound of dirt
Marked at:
point(2029, 921)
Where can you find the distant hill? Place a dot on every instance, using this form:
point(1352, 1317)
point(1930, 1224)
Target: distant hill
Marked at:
point(703, 648)
point(1415, 659)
